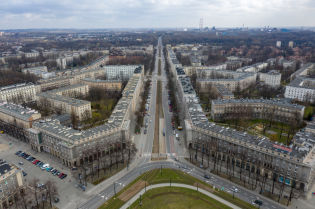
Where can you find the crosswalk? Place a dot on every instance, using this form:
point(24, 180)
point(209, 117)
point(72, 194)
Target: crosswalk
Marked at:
point(168, 154)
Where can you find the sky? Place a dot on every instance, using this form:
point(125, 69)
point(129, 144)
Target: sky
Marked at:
point(24, 14)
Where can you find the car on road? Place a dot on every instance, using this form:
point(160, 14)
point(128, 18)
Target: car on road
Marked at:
point(234, 189)
point(206, 176)
point(21, 163)
point(257, 202)
point(24, 173)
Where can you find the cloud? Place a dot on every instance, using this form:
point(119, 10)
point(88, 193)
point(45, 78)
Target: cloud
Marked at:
point(154, 13)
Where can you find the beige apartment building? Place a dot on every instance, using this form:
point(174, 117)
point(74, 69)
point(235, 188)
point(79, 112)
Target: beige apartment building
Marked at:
point(56, 82)
point(70, 145)
point(71, 91)
point(289, 165)
point(230, 80)
point(11, 181)
point(19, 93)
point(61, 99)
point(275, 109)
point(17, 115)
point(110, 85)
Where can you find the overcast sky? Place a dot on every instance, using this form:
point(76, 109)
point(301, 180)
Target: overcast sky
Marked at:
point(20, 14)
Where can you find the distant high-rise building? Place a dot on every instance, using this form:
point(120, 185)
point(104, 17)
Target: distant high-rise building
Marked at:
point(201, 24)
point(291, 44)
point(278, 44)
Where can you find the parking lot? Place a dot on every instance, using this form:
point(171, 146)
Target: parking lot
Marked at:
point(67, 187)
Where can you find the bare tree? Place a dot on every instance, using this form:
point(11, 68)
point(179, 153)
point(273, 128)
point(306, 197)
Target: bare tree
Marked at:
point(51, 191)
point(34, 185)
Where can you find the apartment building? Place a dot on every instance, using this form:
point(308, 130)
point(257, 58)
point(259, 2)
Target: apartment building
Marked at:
point(61, 99)
point(302, 87)
point(19, 93)
point(74, 76)
point(109, 85)
point(11, 181)
point(223, 92)
point(120, 72)
point(56, 82)
point(194, 69)
point(71, 91)
point(291, 165)
point(229, 79)
point(281, 110)
point(40, 71)
point(17, 115)
point(70, 145)
point(271, 78)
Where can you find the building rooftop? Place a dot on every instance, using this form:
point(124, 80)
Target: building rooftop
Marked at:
point(17, 111)
point(74, 86)
point(4, 167)
point(279, 102)
point(68, 100)
point(14, 86)
point(200, 122)
point(115, 121)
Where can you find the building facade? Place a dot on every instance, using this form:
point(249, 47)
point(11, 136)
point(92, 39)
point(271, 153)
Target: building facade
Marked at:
point(110, 85)
point(302, 86)
point(17, 115)
point(290, 165)
point(19, 93)
point(71, 146)
point(280, 110)
point(11, 181)
point(271, 78)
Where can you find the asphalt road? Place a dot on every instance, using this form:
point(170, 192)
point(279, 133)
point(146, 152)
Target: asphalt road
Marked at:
point(173, 148)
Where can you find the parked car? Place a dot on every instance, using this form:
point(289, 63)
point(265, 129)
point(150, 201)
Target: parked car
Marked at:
point(35, 162)
point(24, 173)
point(64, 176)
point(21, 163)
point(18, 152)
point(31, 159)
point(44, 166)
point(56, 199)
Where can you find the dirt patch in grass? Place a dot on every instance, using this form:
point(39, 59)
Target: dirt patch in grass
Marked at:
point(132, 191)
point(204, 187)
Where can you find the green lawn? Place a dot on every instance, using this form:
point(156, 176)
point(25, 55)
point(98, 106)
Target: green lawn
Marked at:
point(274, 132)
point(101, 110)
point(176, 176)
point(309, 111)
point(176, 198)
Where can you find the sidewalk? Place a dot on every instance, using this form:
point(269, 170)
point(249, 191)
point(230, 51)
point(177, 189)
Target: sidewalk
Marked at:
point(134, 198)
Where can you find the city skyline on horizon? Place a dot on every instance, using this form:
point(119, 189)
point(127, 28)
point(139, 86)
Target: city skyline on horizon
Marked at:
point(95, 14)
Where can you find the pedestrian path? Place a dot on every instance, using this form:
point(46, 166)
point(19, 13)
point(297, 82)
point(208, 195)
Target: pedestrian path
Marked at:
point(134, 198)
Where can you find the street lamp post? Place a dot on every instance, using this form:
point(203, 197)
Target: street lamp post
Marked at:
point(115, 188)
